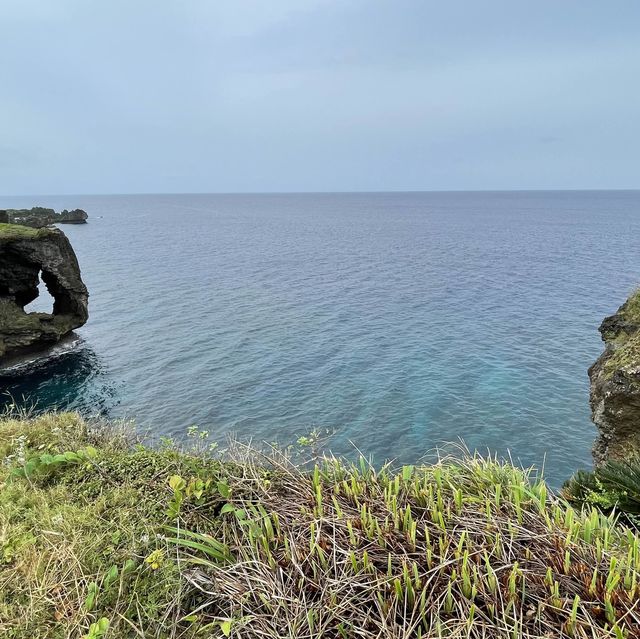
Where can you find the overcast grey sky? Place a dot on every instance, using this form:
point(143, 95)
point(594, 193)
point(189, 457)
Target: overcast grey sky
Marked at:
point(134, 96)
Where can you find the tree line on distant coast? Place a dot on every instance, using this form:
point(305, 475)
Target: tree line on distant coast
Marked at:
point(39, 216)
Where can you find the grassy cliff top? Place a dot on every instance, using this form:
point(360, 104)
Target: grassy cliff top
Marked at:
point(104, 538)
point(19, 232)
point(626, 355)
point(630, 310)
point(622, 333)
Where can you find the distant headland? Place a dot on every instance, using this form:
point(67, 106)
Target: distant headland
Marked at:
point(38, 217)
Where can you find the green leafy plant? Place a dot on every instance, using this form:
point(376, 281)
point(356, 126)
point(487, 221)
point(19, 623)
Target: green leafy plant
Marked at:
point(212, 548)
point(155, 559)
point(195, 490)
point(46, 462)
point(92, 595)
point(98, 629)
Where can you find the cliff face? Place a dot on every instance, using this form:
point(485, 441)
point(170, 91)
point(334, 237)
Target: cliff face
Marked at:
point(26, 255)
point(615, 384)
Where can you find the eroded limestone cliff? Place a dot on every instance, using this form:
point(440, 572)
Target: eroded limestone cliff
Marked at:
point(26, 256)
point(615, 384)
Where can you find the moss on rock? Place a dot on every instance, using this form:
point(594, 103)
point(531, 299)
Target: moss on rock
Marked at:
point(630, 310)
point(625, 356)
point(18, 232)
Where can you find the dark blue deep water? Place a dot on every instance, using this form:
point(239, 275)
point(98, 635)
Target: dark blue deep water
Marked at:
point(401, 321)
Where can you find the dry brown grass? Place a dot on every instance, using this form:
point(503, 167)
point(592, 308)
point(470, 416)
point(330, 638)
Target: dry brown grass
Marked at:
point(467, 548)
point(258, 548)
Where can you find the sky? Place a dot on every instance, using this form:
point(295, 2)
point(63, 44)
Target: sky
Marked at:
point(169, 96)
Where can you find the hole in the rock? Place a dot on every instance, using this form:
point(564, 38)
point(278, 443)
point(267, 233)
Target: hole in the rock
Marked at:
point(44, 302)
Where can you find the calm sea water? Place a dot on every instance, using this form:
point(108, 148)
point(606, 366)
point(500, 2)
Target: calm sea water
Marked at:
point(400, 321)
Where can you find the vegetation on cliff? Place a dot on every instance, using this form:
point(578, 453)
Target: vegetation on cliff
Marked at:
point(39, 216)
point(630, 310)
point(17, 231)
point(613, 486)
point(103, 537)
point(615, 385)
point(621, 335)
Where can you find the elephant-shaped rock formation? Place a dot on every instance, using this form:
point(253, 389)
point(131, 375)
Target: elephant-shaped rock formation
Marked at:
point(26, 256)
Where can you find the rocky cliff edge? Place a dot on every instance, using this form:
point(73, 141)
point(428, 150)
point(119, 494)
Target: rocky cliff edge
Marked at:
point(615, 384)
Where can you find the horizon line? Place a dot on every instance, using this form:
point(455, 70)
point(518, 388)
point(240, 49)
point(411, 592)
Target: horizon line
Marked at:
point(355, 192)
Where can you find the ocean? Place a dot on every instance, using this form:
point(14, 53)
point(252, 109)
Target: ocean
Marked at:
point(399, 322)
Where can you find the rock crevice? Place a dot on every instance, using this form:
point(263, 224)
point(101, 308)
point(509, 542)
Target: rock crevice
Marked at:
point(26, 256)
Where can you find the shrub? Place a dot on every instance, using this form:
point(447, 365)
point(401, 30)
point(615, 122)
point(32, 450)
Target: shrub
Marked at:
point(613, 487)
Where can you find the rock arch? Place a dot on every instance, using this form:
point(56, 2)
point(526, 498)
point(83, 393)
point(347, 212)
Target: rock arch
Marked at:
point(26, 255)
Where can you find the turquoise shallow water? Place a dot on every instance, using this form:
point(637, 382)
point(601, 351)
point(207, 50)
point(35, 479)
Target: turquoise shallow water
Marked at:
point(400, 321)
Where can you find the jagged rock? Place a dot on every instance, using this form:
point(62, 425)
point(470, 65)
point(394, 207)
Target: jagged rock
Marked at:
point(77, 216)
point(615, 385)
point(38, 217)
point(26, 255)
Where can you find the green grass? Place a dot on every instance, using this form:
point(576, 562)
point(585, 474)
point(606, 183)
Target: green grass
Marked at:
point(625, 356)
point(19, 232)
point(631, 308)
point(97, 531)
point(624, 344)
point(64, 529)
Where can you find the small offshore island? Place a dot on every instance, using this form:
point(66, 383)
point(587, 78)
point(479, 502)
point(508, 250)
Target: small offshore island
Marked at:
point(103, 536)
